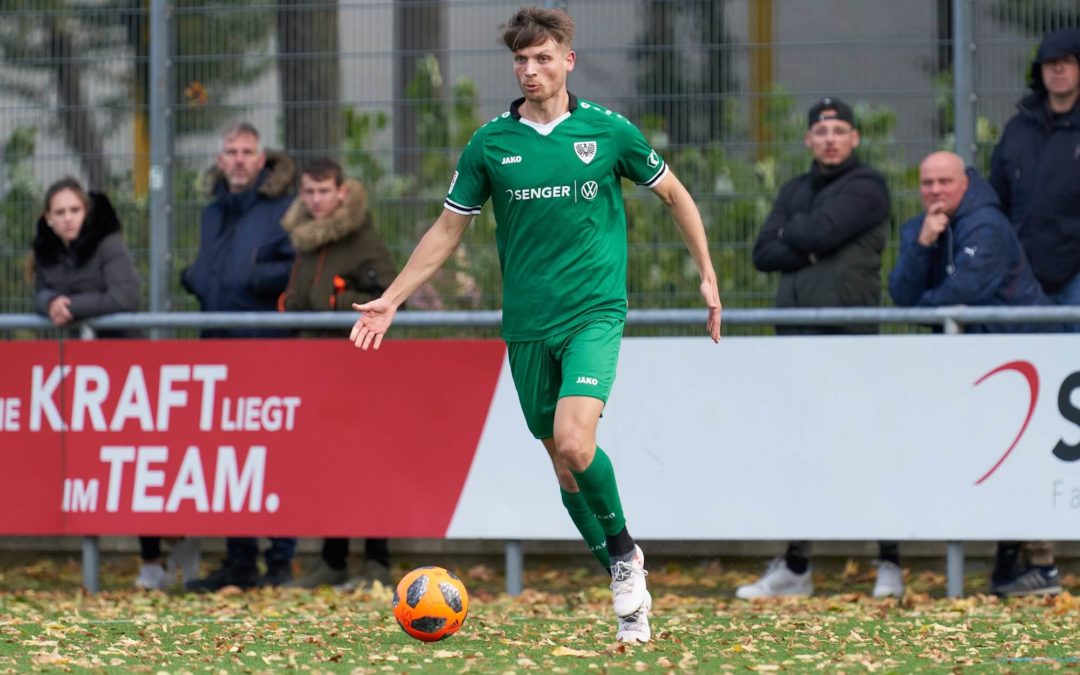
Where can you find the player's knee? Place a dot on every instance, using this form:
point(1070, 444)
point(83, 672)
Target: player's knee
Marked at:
point(575, 449)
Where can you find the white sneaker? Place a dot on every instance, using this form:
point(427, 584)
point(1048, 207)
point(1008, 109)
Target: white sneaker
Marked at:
point(635, 628)
point(778, 581)
point(152, 577)
point(184, 556)
point(628, 584)
point(890, 580)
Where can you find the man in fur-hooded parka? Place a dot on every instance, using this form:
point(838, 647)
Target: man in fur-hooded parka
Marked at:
point(95, 271)
point(244, 256)
point(340, 258)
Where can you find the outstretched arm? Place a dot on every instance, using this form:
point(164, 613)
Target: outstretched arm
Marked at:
point(671, 191)
point(434, 248)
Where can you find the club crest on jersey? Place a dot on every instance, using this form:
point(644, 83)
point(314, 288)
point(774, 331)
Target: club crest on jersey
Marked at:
point(585, 150)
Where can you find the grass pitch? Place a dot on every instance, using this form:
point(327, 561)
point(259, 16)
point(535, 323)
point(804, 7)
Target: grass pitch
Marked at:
point(562, 624)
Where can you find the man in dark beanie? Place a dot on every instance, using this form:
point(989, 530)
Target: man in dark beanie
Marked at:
point(1036, 173)
point(825, 235)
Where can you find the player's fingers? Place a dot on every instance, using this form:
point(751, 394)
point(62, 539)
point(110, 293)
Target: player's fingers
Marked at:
point(360, 308)
point(378, 341)
point(355, 331)
point(368, 336)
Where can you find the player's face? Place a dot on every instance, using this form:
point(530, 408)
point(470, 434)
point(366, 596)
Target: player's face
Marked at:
point(66, 215)
point(241, 160)
point(832, 141)
point(321, 197)
point(942, 184)
point(541, 70)
point(1062, 76)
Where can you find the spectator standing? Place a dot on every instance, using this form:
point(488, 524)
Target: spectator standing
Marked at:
point(1035, 170)
point(81, 266)
point(825, 236)
point(340, 260)
point(243, 265)
point(82, 269)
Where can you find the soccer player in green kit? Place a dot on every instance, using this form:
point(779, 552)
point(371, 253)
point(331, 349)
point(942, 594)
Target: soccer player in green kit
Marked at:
point(552, 166)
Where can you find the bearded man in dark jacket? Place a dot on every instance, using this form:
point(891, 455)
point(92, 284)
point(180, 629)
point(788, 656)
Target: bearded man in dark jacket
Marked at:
point(242, 266)
point(1035, 168)
point(825, 236)
point(244, 256)
point(828, 227)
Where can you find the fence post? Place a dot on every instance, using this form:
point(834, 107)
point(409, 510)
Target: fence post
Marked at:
point(964, 80)
point(161, 147)
point(954, 550)
point(515, 567)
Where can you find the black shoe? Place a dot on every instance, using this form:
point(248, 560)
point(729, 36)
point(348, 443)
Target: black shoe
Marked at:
point(276, 575)
point(226, 575)
point(1036, 580)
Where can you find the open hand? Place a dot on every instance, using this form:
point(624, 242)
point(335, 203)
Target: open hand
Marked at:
point(375, 319)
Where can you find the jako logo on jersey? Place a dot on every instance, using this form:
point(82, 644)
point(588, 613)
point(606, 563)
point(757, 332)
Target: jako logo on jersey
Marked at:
point(589, 189)
point(587, 380)
point(654, 159)
point(452, 181)
point(546, 192)
point(516, 159)
point(585, 150)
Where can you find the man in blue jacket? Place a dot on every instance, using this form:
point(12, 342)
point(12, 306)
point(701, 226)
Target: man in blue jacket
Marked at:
point(1036, 168)
point(244, 256)
point(243, 265)
point(962, 250)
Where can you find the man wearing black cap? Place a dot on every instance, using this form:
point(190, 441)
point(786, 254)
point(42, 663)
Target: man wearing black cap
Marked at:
point(1036, 173)
point(825, 235)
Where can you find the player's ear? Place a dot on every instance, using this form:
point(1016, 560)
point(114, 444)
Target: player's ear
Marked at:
point(571, 59)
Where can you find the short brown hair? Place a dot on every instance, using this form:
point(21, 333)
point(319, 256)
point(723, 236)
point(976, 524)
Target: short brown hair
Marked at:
point(534, 25)
point(67, 183)
point(323, 168)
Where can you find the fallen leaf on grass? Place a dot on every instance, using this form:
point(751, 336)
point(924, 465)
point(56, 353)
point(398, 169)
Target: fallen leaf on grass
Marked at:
point(567, 651)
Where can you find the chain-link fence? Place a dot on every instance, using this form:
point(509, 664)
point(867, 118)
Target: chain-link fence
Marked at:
point(394, 88)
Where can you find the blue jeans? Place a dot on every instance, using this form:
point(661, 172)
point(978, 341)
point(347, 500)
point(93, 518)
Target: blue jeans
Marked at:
point(1069, 295)
point(243, 552)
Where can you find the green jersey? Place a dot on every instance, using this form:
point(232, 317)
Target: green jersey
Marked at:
point(560, 225)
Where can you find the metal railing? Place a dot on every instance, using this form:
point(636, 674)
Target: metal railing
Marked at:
point(947, 318)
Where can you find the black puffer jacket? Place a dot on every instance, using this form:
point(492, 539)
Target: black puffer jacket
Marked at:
point(825, 235)
point(1035, 171)
point(96, 271)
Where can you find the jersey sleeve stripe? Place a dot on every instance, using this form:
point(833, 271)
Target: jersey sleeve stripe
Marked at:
point(463, 210)
point(658, 177)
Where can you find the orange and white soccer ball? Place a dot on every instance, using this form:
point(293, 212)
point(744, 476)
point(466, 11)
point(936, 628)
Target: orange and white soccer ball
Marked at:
point(430, 603)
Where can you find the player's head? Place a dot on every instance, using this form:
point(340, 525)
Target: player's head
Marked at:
point(542, 42)
point(322, 187)
point(942, 181)
point(241, 157)
point(831, 134)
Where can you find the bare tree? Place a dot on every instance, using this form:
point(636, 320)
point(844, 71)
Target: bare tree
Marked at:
point(310, 75)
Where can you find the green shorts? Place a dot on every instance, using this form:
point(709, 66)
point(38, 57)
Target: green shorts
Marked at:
point(578, 362)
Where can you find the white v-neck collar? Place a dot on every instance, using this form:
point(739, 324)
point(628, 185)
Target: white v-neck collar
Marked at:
point(545, 129)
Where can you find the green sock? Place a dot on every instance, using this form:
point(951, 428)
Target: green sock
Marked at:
point(597, 483)
point(587, 525)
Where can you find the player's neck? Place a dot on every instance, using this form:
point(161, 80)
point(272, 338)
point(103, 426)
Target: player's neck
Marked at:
point(546, 111)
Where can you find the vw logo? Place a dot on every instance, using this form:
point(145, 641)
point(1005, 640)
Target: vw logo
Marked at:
point(588, 189)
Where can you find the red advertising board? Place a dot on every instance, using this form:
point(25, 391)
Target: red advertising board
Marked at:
point(239, 437)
